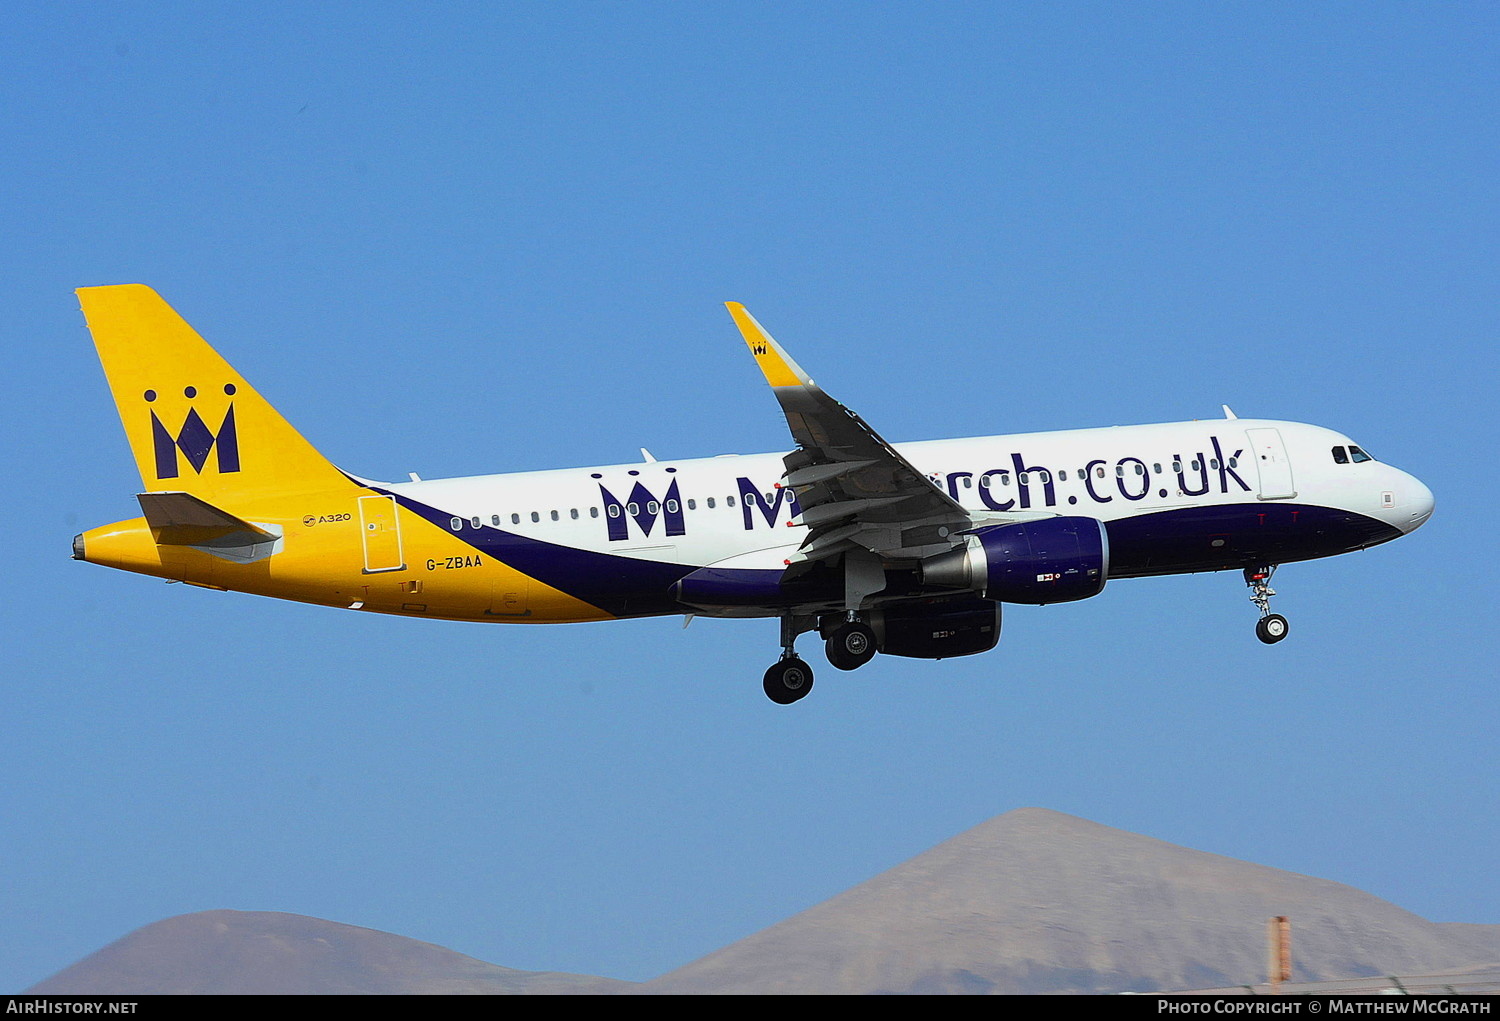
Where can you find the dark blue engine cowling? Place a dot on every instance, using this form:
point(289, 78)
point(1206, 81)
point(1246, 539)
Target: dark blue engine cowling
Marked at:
point(1049, 560)
point(937, 628)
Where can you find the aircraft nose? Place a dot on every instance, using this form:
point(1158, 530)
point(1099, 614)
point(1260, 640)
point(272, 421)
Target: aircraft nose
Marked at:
point(1419, 504)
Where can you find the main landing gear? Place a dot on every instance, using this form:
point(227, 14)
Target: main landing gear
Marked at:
point(1272, 627)
point(849, 642)
point(789, 678)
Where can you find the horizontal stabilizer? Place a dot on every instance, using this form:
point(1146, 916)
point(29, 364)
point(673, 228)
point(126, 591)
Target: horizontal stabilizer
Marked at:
point(182, 519)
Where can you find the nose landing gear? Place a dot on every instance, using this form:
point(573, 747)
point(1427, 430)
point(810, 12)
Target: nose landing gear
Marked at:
point(1272, 627)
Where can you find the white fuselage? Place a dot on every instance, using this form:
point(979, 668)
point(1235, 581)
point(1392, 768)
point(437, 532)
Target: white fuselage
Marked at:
point(1194, 480)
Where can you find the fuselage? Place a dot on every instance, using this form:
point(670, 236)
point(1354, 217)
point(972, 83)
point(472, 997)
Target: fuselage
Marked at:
point(612, 541)
point(1175, 498)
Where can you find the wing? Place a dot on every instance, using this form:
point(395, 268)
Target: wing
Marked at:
point(855, 491)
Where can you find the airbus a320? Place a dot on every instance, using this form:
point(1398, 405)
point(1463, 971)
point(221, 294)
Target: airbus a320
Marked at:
point(902, 550)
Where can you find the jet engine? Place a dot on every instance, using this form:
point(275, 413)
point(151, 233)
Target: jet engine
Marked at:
point(1049, 560)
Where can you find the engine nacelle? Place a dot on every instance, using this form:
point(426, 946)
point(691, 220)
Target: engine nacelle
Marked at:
point(1050, 560)
point(936, 628)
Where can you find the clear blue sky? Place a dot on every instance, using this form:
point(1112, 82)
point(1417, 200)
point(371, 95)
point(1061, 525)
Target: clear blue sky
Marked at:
point(467, 238)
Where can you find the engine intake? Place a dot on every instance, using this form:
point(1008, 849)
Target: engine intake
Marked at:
point(1050, 560)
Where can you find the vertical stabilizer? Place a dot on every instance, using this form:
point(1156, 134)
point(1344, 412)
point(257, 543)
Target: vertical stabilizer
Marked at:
point(194, 424)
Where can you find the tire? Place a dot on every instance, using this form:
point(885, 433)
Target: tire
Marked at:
point(851, 646)
point(788, 681)
point(1272, 628)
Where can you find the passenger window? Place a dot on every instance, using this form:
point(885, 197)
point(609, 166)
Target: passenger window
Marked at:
point(495, 520)
point(554, 515)
point(456, 524)
point(614, 510)
point(671, 506)
point(1340, 456)
point(593, 512)
point(515, 519)
point(475, 521)
point(692, 505)
point(728, 501)
point(710, 503)
point(633, 509)
point(573, 513)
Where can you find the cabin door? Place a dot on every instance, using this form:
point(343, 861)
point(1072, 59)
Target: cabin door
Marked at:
point(1272, 463)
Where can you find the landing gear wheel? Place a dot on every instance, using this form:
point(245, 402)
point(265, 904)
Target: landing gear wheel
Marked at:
point(851, 646)
point(788, 680)
point(1271, 628)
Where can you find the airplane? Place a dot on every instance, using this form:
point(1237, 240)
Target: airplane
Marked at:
point(905, 550)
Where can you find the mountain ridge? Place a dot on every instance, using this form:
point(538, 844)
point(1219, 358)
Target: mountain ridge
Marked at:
point(223, 951)
point(1040, 901)
point(1029, 901)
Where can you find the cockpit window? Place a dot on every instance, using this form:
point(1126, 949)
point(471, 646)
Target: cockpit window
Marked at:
point(1358, 455)
point(1340, 455)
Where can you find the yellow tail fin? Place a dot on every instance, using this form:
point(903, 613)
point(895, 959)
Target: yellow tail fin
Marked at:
point(194, 424)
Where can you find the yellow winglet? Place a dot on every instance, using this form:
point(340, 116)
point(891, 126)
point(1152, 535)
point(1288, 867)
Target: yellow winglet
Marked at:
point(775, 363)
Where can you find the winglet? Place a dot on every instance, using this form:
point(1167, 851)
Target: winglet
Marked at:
point(775, 363)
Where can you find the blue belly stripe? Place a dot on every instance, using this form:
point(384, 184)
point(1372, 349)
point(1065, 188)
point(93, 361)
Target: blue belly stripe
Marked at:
point(622, 586)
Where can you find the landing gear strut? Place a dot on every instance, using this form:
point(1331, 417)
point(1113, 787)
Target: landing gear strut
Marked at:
point(790, 679)
point(1272, 627)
